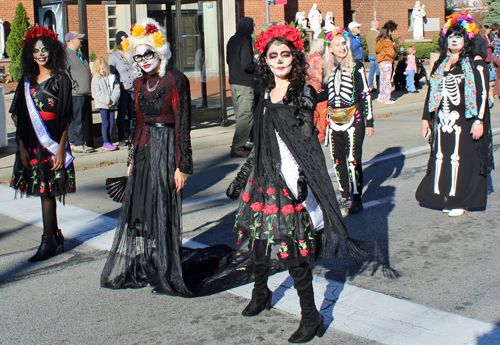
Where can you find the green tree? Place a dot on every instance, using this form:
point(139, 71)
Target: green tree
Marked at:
point(14, 44)
point(493, 14)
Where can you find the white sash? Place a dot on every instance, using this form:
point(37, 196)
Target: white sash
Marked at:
point(41, 130)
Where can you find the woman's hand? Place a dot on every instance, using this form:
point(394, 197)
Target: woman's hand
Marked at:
point(477, 130)
point(369, 131)
point(129, 169)
point(23, 154)
point(59, 159)
point(180, 180)
point(425, 127)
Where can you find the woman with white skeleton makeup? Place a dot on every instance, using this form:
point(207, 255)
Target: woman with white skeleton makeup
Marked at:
point(348, 116)
point(456, 120)
point(285, 204)
point(146, 249)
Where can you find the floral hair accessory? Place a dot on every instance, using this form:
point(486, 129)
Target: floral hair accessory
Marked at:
point(37, 31)
point(329, 36)
point(280, 30)
point(139, 31)
point(462, 19)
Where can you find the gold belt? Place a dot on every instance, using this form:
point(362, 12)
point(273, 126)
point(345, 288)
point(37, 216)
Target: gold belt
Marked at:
point(341, 116)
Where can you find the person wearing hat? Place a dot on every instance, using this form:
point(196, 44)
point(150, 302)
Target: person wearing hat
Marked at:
point(355, 40)
point(78, 71)
point(120, 66)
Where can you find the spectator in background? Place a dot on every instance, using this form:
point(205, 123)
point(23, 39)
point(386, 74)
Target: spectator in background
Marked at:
point(385, 59)
point(355, 41)
point(78, 71)
point(241, 81)
point(411, 69)
point(496, 58)
point(489, 45)
point(314, 61)
point(123, 70)
point(371, 41)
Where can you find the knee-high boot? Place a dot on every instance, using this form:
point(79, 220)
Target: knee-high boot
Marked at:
point(311, 323)
point(261, 295)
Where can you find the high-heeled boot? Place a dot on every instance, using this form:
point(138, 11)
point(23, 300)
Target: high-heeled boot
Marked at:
point(59, 239)
point(311, 323)
point(46, 250)
point(261, 295)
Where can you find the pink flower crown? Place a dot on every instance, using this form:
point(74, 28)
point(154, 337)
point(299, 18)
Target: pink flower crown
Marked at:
point(329, 36)
point(280, 30)
point(38, 31)
point(462, 19)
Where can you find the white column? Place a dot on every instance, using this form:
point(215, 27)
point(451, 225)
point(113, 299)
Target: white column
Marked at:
point(229, 17)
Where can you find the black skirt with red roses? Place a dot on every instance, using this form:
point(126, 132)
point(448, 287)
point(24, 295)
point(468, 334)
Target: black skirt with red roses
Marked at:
point(38, 179)
point(271, 215)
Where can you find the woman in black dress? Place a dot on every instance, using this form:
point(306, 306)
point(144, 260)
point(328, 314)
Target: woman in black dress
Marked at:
point(456, 116)
point(42, 109)
point(285, 204)
point(147, 245)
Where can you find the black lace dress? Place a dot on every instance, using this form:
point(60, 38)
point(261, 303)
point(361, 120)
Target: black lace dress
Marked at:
point(53, 100)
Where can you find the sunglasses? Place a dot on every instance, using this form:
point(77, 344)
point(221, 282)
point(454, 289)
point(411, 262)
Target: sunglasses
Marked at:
point(148, 55)
point(43, 50)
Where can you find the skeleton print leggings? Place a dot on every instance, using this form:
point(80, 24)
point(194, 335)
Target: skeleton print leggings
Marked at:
point(346, 146)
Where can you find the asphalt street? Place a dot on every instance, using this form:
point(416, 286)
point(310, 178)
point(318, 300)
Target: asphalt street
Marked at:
point(419, 259)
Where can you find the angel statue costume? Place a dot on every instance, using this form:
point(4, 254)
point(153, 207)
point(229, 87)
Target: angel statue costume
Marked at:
point(456, 108)
point(286, 199)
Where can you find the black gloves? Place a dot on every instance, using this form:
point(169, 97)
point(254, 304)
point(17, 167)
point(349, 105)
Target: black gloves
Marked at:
point(235, 187)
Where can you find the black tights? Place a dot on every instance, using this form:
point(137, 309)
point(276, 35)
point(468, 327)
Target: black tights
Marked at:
point(49, 215)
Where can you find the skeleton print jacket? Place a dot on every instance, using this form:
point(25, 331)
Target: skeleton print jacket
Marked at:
point(351, 90)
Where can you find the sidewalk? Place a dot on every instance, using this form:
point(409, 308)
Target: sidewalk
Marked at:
point(203, 135)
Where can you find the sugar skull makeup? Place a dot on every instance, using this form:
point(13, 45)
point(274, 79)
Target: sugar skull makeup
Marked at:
point(146, 58)
point(338, 47)
point(279, 58)
point(455, 42)
point(40, 53)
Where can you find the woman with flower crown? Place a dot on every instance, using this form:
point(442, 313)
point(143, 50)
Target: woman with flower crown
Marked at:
point(348, 115)
point(285, 204)
point(457, 121)
point(42, 109)
point(147, 245)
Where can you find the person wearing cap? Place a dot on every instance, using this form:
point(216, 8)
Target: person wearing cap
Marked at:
point(120, 66)
point(78, 71)
point(355, 40)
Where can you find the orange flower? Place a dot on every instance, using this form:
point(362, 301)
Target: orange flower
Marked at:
point(138, 30)
point(158, 39)
point(125, 45)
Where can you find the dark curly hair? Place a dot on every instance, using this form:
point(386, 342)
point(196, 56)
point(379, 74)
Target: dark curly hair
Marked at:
point(56, 61)
point(296, 77)
point(468, 50)
point(390, 25)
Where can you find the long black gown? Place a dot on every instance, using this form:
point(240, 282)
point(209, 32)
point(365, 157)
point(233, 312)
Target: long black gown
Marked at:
point(457, 167)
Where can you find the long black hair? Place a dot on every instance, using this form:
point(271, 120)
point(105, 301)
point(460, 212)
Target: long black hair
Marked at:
point(56, 62)
point(296, 77)
point(467, 51)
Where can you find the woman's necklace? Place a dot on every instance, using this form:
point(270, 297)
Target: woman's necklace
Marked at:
point(151, 89)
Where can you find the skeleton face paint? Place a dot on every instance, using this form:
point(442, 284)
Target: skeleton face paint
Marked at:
point(279, 58)
point(338, 47)
point(40, 53)
point(455, 42)
point(147, 59)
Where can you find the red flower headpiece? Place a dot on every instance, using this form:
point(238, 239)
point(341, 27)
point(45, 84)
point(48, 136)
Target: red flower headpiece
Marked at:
point(280, 30)
point(38, 31)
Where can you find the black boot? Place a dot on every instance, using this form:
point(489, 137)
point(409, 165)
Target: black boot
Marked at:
point(311, 323)
point(59, 239)
point(46, 250)
point(261, 295)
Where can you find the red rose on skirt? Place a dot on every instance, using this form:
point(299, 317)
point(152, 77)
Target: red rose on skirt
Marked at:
point(287, 209)
point(33, 162)
point(284, 255)
point(257, 206)
point(270, 191)
point(304, 252)
point(270, 209)
point(299, 208)
point(245, 197)
point(251, 181)
point(286, 192)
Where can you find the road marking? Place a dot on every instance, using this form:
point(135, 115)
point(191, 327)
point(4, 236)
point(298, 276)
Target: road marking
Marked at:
point(354, 310)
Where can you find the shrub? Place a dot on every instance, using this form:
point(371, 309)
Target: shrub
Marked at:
point(14, 45)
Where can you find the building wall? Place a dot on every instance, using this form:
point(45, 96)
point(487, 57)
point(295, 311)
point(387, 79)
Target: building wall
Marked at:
point(397, 10)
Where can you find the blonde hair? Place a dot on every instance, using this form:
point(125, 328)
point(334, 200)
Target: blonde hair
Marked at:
point(347, 63)
point(97, 65)
point(317, 46)
point(410, 50)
